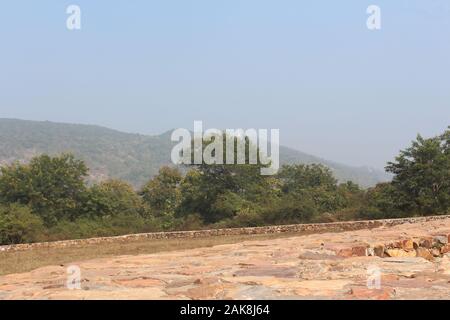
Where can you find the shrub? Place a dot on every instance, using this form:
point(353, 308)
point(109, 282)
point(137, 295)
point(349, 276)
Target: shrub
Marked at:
point(112, 198)
point(19, 225)
point(51, 186)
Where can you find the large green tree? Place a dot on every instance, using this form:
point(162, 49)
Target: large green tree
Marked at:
point(52, 186)
point(422, 175)
point(220, 191)
point(112, 198)
point(310, 184)
point(162, 196)
point(18, 225)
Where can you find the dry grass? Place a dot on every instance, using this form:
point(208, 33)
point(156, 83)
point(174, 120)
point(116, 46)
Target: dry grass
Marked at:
point(23, 261)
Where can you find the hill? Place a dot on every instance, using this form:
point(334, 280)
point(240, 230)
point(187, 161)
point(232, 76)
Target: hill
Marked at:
point(131, 157)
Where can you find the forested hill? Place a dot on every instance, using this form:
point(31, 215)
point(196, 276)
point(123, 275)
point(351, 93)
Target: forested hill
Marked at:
point(131, 157)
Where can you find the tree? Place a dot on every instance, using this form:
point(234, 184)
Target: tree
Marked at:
point(51, 186)
point(314, 184)
point(351, 194)
point(301, 176)
point(422, 175)
point(220, 191)
point(383, 201)
point(112, 198)
point(161, 193)
point(297, 207)
point(19, 225)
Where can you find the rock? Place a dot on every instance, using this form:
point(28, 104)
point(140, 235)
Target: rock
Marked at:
point(399, 253)
point(407, 245)
point(379, 250)
point(424, 253)
point(140, 282)
point(344, 252)
point(269, 271)
point(349, 250)
point(442, 239)
point(206, 292)
point(371, 294)
point(359, 251)
point(436, 252)
point(445, 249)
point(393, 245)
point(426, 242)
point(310, 255)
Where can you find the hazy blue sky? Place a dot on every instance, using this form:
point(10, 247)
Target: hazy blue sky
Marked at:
point(310, 68)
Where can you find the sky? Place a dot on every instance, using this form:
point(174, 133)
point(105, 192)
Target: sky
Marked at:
point(312, 69)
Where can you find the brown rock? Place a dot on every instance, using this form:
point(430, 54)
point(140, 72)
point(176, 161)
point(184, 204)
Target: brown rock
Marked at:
point(359, 251)
point(345, 252)
point(372, 294)
point(407, 245)
point(445, 249)
point(395, 253)
point(394, 245)
point(349, 250)
point(426, 242)
point(308, 255)
point(424, 253)
point(141, 282)
point(435, 252)
point(379, 250)
point(205, 292)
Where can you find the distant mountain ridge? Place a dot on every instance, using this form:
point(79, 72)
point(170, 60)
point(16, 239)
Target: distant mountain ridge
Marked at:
point(132, 157)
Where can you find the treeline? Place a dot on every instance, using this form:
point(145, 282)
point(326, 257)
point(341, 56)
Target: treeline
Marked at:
point(49, 199)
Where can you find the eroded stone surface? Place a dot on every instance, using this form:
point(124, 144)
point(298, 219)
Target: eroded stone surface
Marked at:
point(320, 266)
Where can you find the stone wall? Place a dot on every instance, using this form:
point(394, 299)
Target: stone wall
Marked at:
point(295, 228)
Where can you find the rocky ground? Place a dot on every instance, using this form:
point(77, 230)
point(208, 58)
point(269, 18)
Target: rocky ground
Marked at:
point(410, 261)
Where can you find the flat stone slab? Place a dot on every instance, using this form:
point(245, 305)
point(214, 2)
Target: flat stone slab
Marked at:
point(316, 266)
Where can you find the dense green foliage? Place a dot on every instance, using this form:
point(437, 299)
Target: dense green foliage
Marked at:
point(18, 224)
point(422, 175)
point(51, 186)
point(49, 198)
point(133, 158)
